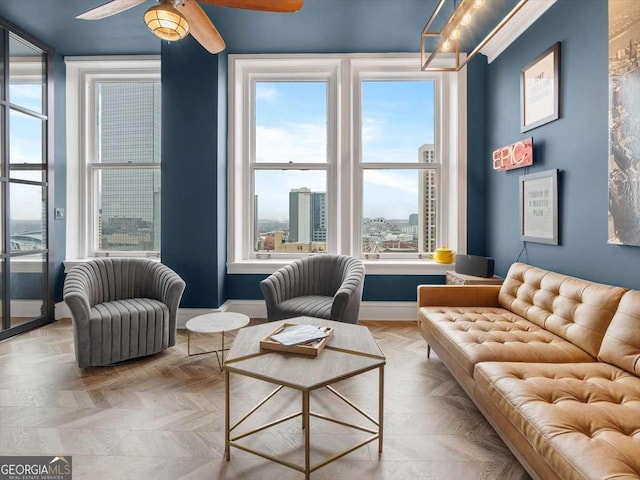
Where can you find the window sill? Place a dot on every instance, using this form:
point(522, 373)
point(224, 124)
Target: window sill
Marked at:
point(372, 267)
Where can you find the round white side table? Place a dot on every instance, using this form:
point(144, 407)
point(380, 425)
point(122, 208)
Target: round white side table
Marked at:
point(218, 322)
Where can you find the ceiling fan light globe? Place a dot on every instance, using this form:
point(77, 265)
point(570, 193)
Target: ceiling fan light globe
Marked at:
point(166, 22)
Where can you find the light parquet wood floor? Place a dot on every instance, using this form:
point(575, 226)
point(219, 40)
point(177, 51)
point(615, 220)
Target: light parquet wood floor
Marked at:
point(162, 417)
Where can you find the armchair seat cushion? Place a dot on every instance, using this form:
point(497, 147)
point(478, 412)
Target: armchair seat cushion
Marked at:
point(129, 328)
point(318, 306)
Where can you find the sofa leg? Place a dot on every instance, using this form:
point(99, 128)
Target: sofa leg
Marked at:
point(428, 350)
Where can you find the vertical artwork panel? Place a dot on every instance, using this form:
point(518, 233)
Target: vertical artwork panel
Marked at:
point(624, 122)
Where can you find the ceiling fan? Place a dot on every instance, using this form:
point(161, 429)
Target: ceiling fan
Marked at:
point(175, 19)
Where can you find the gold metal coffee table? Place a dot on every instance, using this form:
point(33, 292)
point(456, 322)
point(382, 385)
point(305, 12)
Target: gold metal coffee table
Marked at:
point(351, 351)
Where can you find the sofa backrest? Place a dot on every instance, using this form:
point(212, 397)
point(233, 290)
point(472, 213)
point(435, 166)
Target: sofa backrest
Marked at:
point(621, 344)
point(577, 310)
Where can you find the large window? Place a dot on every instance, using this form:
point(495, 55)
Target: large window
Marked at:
point(343, 154)
point(118, 157)
point(26, 190)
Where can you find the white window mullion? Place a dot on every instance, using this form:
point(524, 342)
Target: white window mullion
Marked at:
point(344, 172)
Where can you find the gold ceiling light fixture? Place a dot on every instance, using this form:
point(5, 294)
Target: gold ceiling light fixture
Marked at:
point(166, 22)
point(453, 32)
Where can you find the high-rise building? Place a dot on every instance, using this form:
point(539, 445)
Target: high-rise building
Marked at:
point(129, 131)
point(307, 216)
point(319, 216)
point(428, 190)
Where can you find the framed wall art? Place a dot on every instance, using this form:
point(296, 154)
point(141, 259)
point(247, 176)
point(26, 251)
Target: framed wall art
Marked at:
point(624, 123)
point(540, 89)
point(539, 207)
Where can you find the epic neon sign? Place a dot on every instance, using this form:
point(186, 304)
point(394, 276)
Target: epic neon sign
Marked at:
point(516, 155)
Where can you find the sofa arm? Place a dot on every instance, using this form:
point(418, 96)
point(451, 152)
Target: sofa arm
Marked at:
point(458, 295)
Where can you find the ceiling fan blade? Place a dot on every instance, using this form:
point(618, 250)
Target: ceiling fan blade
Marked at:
point(286, 6)
point(201, 27)
point(109, 8)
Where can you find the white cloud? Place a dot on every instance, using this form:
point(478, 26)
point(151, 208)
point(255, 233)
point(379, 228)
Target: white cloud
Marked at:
point(406, 181)
point(372, 129)
point(267, 93)
point(303, 142)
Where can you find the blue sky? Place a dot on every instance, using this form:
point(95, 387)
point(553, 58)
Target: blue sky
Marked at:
point(291, 126)
point(26, 147)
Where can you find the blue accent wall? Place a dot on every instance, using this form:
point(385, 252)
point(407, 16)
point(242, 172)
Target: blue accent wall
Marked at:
point(193, 166)
point(576, 144)
point(476, 160)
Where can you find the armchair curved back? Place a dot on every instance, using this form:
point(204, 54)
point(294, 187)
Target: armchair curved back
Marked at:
point(110, 279)
point(339, 278)
point(315, 275)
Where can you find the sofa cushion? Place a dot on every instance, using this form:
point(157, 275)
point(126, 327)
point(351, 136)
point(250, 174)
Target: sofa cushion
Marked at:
point(480, 334)
point(576, 310)
point(621, 344)
point(584, 419)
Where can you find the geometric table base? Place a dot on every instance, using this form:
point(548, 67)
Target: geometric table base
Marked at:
point(305, 413)
point(350, 351)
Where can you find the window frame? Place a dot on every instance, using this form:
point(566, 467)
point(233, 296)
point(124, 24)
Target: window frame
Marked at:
point(345, 201)
point(83, 75)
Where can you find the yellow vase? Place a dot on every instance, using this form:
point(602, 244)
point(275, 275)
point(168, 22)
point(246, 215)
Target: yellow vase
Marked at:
point(443, 255)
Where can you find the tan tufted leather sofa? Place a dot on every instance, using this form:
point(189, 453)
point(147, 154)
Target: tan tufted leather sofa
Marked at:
point(552, 361)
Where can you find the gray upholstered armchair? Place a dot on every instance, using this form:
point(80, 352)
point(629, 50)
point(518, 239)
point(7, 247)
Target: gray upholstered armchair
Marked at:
point(122, 308)
point(322, 286)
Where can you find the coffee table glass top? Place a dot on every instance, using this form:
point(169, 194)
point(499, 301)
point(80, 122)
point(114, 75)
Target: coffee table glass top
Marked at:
point(350, 350)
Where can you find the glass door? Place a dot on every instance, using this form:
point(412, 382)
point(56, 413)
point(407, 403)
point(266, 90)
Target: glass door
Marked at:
point(26, 293)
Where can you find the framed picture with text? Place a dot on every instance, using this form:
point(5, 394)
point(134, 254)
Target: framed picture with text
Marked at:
point(540, 89)
point(539, 207)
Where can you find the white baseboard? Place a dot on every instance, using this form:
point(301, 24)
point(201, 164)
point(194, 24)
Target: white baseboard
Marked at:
point(26, 308)
point(390, 311)
point(61, 310)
